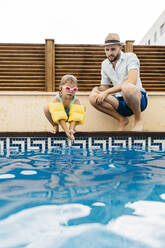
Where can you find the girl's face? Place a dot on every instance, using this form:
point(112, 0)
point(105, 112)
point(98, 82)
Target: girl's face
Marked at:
point(69, 89)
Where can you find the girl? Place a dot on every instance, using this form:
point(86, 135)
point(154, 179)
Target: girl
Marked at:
point(66, 107)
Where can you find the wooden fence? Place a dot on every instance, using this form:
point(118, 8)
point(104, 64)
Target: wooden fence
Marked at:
point(22, 67)
point(39, 67)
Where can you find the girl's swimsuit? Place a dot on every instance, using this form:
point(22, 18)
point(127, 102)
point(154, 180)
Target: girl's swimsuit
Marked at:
point(68, 109)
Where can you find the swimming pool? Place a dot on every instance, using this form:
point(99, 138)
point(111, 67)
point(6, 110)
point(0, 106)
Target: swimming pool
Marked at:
point(98, 192)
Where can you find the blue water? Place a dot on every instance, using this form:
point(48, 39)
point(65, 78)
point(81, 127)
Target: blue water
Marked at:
point(76, 198)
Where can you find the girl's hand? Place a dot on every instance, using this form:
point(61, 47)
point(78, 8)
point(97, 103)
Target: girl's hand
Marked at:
point(101, 96)
point(66, 130)
point(70, 135)
point(73, 131)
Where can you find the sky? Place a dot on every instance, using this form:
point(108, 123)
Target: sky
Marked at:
point(76, 21)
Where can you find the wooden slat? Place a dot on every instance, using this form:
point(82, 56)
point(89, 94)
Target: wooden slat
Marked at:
point(21, 85)
point(22, 62)
point(19, 46)
point(23, 88)
point(22, 77)
point(21, 69)
point(21, 54)
point(22, 73)
point(21, 59)
point(64, 60)
point(27, 66)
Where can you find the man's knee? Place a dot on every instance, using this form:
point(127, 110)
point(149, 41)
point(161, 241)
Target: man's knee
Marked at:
point(129, 89)
point(92, 97)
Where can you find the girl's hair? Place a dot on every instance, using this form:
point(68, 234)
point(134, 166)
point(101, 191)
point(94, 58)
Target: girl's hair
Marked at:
point(67, 79)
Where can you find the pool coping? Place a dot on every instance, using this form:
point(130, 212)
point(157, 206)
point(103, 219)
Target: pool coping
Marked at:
point(84, 134)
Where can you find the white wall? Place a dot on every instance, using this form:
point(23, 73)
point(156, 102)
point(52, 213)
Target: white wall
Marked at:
point(155, 28)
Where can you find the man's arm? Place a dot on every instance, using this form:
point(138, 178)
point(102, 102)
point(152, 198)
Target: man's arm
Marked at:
point(103, 87)
point(132, 78)
point(105, 80)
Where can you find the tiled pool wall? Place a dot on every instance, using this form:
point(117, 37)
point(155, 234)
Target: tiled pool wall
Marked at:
point(22, 144)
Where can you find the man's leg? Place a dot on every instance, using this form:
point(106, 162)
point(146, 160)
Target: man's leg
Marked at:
point(132, 97)
point(108, 107)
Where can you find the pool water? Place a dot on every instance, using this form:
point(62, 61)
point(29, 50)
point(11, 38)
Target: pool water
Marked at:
point(80, 198)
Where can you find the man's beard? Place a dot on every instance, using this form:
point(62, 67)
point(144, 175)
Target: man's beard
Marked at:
point(115, 58)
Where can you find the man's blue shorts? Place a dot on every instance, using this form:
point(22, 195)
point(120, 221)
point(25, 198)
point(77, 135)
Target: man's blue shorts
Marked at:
point(124, 110)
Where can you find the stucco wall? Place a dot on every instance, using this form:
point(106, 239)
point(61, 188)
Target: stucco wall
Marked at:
point(23, 112)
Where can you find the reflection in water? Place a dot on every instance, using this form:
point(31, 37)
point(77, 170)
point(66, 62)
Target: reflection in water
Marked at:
point(146, 225)
point(64, 196)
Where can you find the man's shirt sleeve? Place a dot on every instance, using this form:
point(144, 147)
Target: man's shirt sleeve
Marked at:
point(104, 78)
point(133, 62)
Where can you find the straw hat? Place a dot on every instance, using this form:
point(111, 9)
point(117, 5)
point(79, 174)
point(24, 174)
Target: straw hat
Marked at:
point(112, 39)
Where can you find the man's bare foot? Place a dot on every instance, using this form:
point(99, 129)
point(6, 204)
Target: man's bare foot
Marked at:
point(55, 129)
point(138, 127)
point(122, 124)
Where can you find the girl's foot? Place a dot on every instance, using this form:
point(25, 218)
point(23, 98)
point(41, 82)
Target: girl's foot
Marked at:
point(55, 129)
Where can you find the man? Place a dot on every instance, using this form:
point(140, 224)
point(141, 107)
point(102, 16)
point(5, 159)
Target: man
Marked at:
point(126, 96)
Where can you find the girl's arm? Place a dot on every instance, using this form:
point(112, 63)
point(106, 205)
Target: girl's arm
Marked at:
point(66, 130)
point(47, 113)
point(73, 123)
point(78, 102)
point(55, 99)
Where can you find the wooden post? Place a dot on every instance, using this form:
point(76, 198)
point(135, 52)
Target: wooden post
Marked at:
point(49, 65)
point(129, 46)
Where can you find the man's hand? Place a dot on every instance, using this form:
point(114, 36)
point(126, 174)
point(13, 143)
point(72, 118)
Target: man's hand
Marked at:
point(101, 96)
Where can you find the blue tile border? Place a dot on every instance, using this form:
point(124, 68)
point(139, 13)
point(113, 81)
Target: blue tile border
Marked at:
point(43, 143)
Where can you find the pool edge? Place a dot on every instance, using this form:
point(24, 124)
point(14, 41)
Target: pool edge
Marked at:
point(83, 134)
